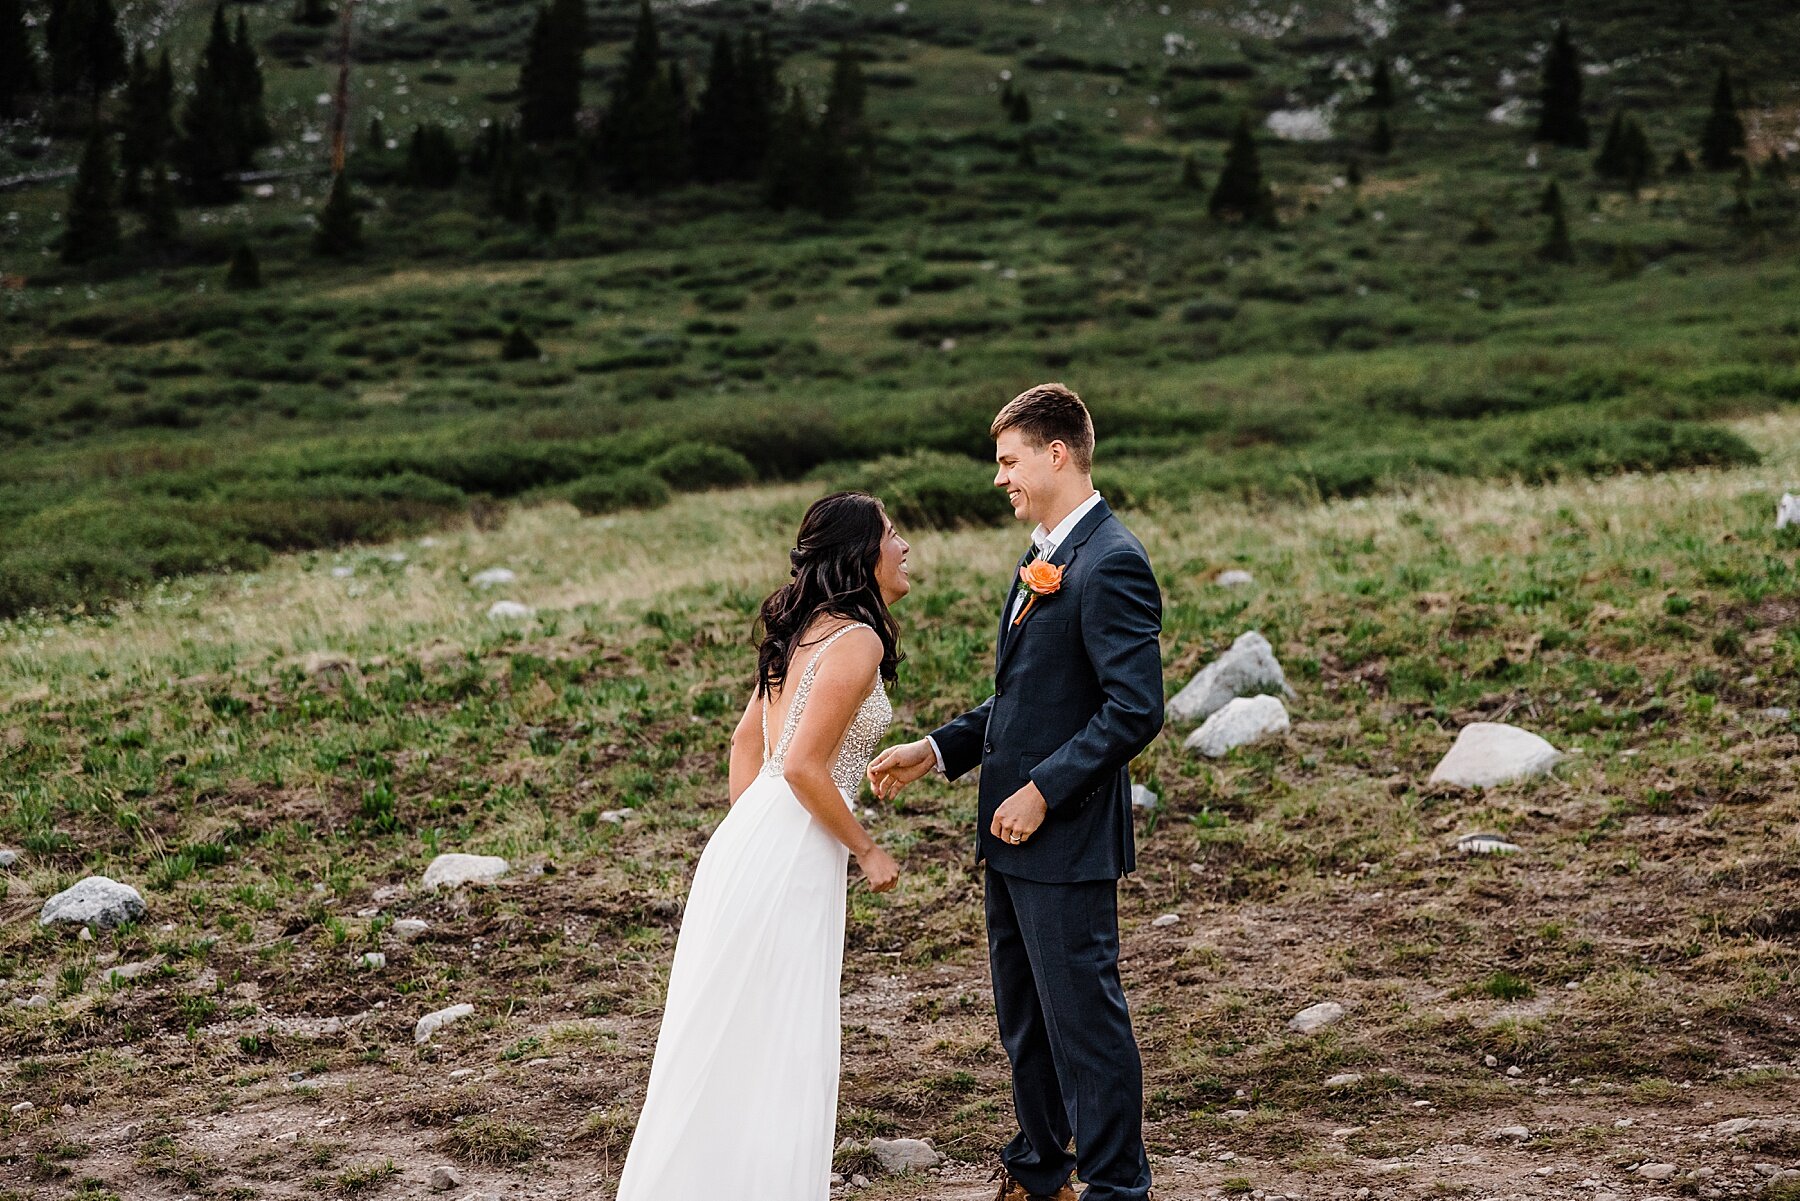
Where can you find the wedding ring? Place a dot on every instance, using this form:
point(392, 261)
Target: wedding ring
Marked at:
point(1018, 838)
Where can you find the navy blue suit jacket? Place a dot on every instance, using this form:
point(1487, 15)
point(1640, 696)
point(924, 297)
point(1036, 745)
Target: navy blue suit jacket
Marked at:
point(1078, 693)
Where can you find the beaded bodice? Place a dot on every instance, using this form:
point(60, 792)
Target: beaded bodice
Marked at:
point(861, 739)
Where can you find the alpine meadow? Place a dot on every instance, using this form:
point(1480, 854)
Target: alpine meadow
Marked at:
point(406, 405)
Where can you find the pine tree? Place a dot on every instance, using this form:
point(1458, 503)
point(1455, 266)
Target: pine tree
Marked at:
point(644, 132)
point(847, 97)
point(247, 96)
point(1679, 163)
point(1353, 173)
point(789, 170)
point(148, 122)
point(550, 77)
point(91, 229)
point(162, 220)
point(1552, 199)
point(18, 63)
point(207, 152)
point(1381, 142)
point(1381, 86)
point(1190, 174)
point(1560, 121)
point(244, 273)
point(1241, 191)
point(1722, 140)
point(715, 119)
point(1019, 112)
point(517, 346)
point(1557, 247)
point(543, 214)
point(312, 12)
point(339, 230)
point(87, 52)
point(758, 74)
point(431, 158)
point(1626, 155)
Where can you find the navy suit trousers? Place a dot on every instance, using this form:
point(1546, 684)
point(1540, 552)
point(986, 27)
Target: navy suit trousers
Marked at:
point(1054, 952)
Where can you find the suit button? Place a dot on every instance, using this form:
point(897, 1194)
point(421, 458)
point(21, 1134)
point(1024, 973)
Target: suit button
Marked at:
point(987, 748)
point(999, 692)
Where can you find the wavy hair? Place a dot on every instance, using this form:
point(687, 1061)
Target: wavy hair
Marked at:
point(833, 560)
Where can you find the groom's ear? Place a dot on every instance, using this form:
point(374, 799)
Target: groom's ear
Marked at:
point(1058, 451)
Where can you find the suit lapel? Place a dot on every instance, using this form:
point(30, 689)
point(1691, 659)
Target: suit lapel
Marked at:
point(1064, 556)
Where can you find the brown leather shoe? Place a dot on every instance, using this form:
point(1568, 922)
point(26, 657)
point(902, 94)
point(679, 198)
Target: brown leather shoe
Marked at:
point(1012, 1190)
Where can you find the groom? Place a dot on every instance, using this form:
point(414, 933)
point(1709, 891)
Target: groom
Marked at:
point(1078, 693)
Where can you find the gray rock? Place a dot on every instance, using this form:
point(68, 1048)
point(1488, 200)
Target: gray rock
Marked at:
point(1787, 512)
point(23, 1107)
point(1783, 1184)
point(1486, 844)
point(1344, 1080)
point(36, 1000)
point(373, 960)
point(1772, 713)
point(859, 1181)
point(1235, 578)
point(1243, 720)
point(96, 901)
point(8, 858)
point(1515, 1133)
point(128, 971)
point(327, 664)
point(431, 1023)
point(507, 610)
point(904, 1154)
point(615, 817)
point(1166, 920)
point(444, 1178)
point(454, 869)
point(1487, 753)
point(492, 577)
point(1656, 1171)
point(1142, 798)
point(1316, 1017)
point(410, 927)
point(1248, 667)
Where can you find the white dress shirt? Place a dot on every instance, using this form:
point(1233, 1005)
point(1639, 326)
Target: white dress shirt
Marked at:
point(1046, 542)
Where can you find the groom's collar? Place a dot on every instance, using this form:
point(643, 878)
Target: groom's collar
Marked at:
point(1047, 541)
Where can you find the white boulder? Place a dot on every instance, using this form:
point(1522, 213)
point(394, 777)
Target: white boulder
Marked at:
point(410, 927)
point(1243, 720)
point(94, 901)
point(1248, 667)
point(1142, 798)
point(8, 858)
point(1486, 844)
point(904, 1154)
point(1788, 511)
point(431, 1023)
point(454, 869)
point(1235, 578)
point(1487, 753)
point(1316, 1017)
point(507, 610)
point(492, 577)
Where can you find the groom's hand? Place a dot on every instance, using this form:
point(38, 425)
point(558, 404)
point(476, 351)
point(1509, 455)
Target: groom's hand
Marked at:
point(899, 766)
point(1020, 815)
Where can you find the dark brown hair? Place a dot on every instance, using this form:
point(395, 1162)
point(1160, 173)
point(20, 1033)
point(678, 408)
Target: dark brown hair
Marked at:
point(833, 560)
point(1050, 413)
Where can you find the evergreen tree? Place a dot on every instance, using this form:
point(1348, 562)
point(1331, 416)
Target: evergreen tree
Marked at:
point(244, 273)
point(431, 158)
point(91, 229)
point(1775, 168)
point(1557, 247)
point(148, 122)
point(246, 86)
point(1552, 199)
point(1381, 142)
point(715, 120)
point(644, 132)
point(312, 12)
point(1381, 87)
point(1019, 111)
point(208, 151)
point(1679, 163)
point(18, 64)
point(339, 229)
point(1560, 120)
point(87, 52)
point(845, 102)
point(162, 220)
point(1625, 155)
point(1190, 174)
point(788, 179)
point(517, 346)
point(543, 214)
point(1722, 140)
point(758, 73)
point(550, 77)
point(1241, 191)
point(1353, 173)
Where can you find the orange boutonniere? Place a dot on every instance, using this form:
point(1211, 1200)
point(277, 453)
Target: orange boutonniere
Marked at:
point(1038, 578)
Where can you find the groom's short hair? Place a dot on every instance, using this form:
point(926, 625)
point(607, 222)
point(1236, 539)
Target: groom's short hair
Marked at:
point(1050, 413)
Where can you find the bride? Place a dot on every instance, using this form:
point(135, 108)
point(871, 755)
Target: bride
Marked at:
point(744, 1085)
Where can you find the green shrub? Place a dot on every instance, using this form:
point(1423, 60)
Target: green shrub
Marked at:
point(1608, 448)
point(932, 490)
point(695, 466)
point(611, 491)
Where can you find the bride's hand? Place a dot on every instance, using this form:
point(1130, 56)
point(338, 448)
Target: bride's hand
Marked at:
point(879, 868)
point(899, 766)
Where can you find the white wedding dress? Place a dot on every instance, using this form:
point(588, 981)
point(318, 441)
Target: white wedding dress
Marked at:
point(742, 1100)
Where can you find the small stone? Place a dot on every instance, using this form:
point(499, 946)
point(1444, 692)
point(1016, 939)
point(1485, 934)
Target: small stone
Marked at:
point(1249, 666)
point(8, 858)
point(374, 959)
point(1488, 753)
point(1142, 799)
point(492, 577)
point(1490, 1061)
point(462, 1073)
point(1344, 1080)
point(444, 1177)
point(904, 1154)
point(410, 927)
point(615, 817)
point(1242, 721)
point(128, 971)
point(453, 869)
point(1227, 1156)
point(1235, 578)
point(506, 610)
point(1513, 1070)
point(1782, 1184)
point(432, 1022)
point(1787, 511)
point(327, 664)
point(23, 1107)
point(1657, 1171)
point(837, 1179)
point(1316, 1017)
point(296, 1077)
point(1621, 1123)
point(342, 572)
point(1772, 713)
point(95, 900)
point(1486, 844)
point(1235, 1115)
point(859, 1181)
point(1166, 920)
point(85, 934)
